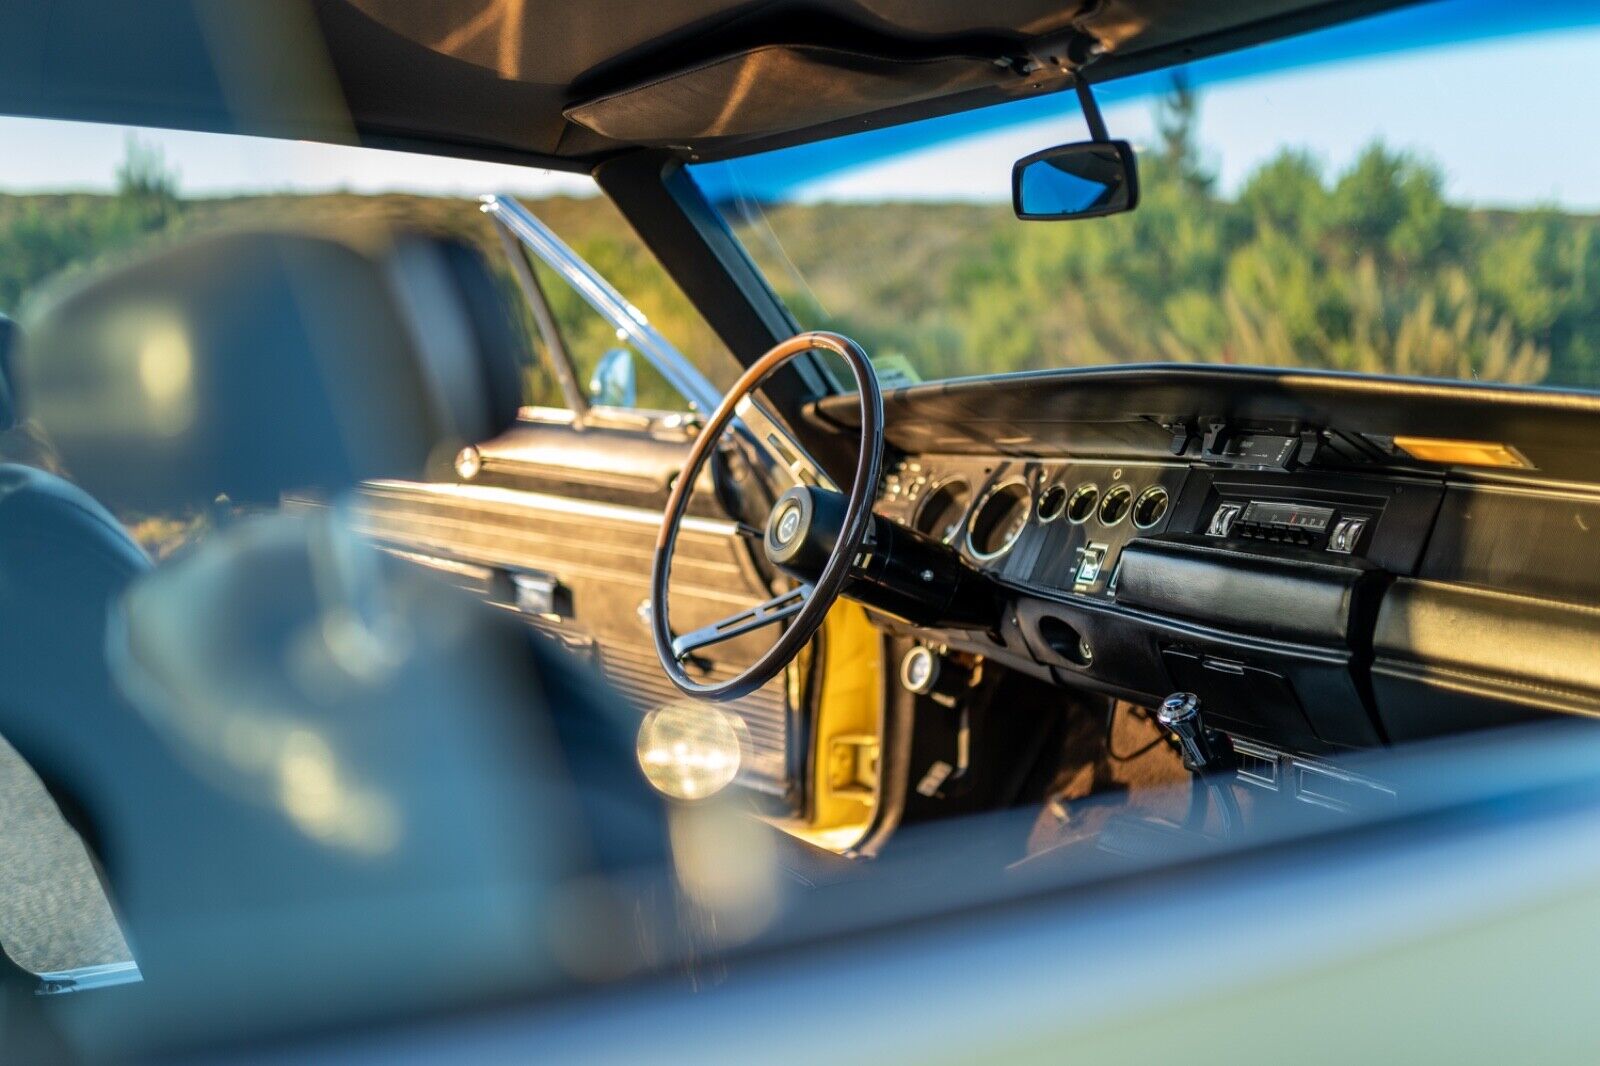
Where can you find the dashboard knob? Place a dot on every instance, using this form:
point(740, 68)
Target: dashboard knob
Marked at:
point(940, 677)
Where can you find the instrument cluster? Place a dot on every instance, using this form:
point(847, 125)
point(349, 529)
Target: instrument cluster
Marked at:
point(1053, 522)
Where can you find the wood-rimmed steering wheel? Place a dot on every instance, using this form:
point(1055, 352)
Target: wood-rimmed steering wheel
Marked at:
point(789, 524)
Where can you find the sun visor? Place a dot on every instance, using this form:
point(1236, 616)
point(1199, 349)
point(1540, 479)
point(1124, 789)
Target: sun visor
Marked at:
point(778, 88)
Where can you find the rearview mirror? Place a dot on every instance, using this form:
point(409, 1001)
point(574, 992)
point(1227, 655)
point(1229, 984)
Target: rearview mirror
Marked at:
point(1083, 180)
point(614, 382)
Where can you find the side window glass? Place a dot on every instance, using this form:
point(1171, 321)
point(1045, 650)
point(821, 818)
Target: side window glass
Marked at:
point(598, 234)
point(610, 371)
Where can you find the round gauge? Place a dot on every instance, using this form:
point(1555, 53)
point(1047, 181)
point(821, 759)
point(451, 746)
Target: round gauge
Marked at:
point(1050, 503)
point(943, 509)
point(919, 670)
point(1116, 504)
point(1151, 507)
point(999, 520)
point(1080, 505)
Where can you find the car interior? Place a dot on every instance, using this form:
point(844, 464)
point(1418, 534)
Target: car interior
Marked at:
point(454, 699)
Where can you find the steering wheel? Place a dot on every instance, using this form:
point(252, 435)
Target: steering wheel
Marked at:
point(798, 526)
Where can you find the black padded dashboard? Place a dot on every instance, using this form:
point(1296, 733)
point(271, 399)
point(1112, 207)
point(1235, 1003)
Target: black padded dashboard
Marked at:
point(1127, 411)
point(1350, 595)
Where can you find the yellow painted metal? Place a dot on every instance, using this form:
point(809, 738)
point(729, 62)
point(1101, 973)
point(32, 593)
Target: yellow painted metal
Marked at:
point(846, 736)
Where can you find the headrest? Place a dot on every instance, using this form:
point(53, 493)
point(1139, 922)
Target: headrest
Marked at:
point(8, 401)
point(256, 363)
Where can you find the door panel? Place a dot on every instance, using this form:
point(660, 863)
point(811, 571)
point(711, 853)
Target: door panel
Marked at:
point(600, 554)
point(624, 464)
point(558, 518)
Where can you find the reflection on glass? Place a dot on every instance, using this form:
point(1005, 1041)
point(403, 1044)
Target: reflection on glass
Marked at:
point(1074, 180)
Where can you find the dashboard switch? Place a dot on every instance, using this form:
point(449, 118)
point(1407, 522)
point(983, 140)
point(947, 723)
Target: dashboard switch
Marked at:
point(1223, 518)
point(1346, 533)
point(1089, 566)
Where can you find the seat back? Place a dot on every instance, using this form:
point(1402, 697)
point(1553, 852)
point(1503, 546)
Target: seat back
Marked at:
point(8, 404)
point(322, 783)
point(250, 364)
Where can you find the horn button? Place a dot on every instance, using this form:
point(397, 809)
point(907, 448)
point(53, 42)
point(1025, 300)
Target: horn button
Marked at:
point(802, 529)
point(786, 524)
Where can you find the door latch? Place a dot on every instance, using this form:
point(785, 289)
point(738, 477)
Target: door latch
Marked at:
point(540, 595)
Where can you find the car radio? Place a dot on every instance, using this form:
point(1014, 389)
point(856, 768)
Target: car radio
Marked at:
point(1308, 525)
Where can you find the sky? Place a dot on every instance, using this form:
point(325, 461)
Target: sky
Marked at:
point(48, 156)
point(1531, 136)
point(1534, 138)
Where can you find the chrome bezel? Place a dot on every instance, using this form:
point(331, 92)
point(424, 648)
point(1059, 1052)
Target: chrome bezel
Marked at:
point(934, 490)
point(1110, 494)
point(1094, 492)
point(1166, 505)
point(1038, 503)
point(977, 509)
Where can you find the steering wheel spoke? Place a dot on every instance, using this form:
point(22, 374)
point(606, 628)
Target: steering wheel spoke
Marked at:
point(766, 613)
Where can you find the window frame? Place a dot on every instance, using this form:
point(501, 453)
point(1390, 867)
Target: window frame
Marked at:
point(522, 234)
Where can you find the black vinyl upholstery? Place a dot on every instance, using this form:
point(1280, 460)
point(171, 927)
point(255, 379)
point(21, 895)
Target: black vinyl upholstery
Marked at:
point(64, 559)
point(319, 784)
point(8, 402)
point(262, 362)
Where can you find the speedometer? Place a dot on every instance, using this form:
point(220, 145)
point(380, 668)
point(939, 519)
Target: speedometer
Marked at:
point(999, 520)
point(943, 509)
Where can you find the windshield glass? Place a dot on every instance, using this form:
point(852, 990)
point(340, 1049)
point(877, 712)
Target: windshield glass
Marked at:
point(1426, 211)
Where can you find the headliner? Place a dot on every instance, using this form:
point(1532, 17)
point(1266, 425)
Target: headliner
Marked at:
point(499, 79)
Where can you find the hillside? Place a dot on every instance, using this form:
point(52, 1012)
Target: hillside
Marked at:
point(1367, 270)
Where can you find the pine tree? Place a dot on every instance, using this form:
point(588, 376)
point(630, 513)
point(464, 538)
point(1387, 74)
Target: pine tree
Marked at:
point(1178, 125)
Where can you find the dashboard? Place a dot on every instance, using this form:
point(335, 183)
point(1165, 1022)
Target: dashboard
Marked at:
point(1034, 521)
point(1322, 587)
point(1143, 577)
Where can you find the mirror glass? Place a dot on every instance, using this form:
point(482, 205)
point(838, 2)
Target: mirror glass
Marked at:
point(614, 383)
point(1083, 180)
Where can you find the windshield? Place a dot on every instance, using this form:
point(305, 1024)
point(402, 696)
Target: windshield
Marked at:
point(1426, 211)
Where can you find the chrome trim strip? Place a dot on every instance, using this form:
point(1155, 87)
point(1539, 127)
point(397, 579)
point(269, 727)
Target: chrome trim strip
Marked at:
point(484, 574)
point(612, 306)
point(559, 416)
point(85, 978)
point(604, 512)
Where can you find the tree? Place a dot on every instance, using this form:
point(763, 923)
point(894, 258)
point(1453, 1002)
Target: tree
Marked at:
point(1178, 125)
point(146, 184)
point(1287, 193)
